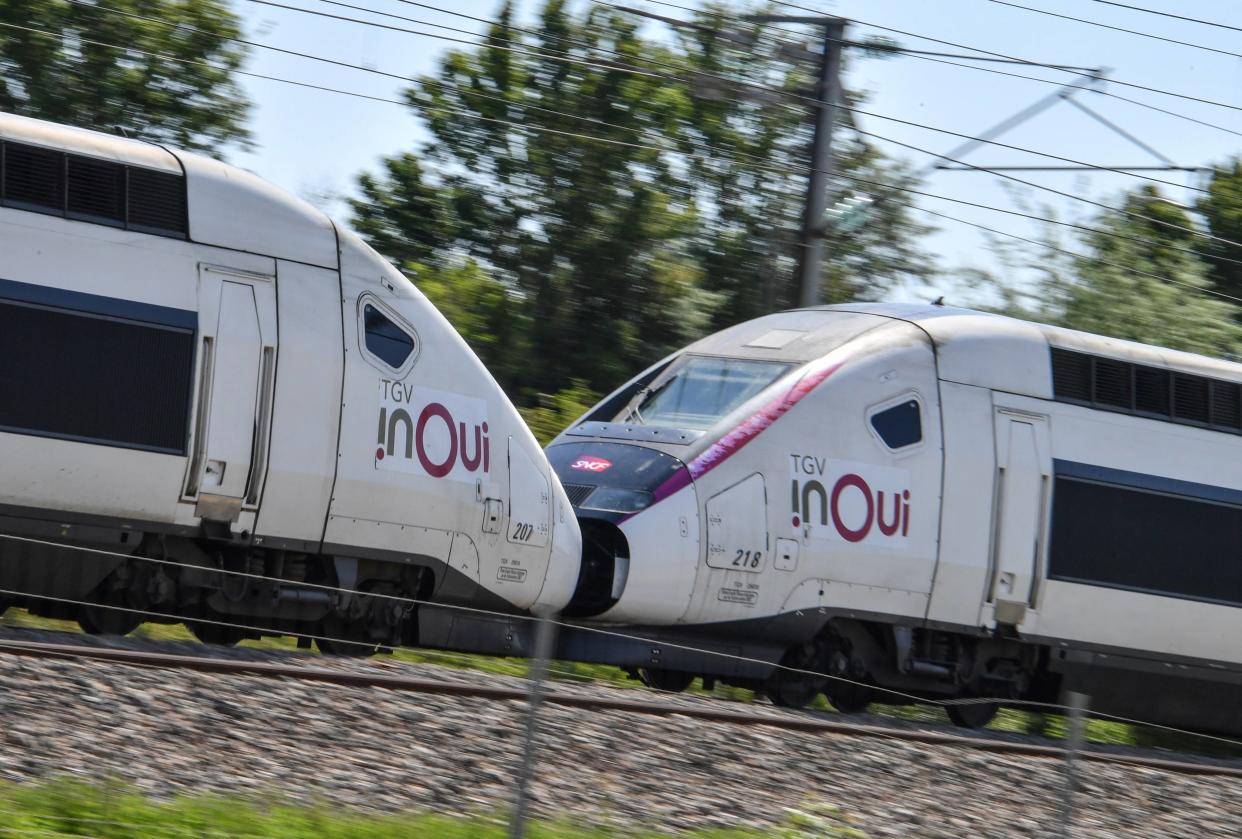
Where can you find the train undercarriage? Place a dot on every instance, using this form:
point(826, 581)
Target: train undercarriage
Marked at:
point(223, 592)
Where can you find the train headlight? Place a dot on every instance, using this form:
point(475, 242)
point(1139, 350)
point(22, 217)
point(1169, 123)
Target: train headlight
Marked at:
point(617, 500)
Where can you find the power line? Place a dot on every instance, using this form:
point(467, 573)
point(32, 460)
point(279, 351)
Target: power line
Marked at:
point(993, 71)
point(1054, 191)
point(90, 4)
point(631, 69)
point(1170, 14)
point(956, 45)
point(1117, 28)
point(1064, 251)
point(652, 147)
point(609, 141)
point(516, 50)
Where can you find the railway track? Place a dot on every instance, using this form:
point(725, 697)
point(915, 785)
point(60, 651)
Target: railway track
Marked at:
point(794, 721)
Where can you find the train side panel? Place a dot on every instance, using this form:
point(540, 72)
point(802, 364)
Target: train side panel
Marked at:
point(1143, 514)
point(301, 466)
point(963, 564)
point(114, 323)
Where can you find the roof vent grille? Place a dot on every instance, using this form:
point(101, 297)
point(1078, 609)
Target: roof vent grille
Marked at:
point(1153, 392)
point(33, 178)
point(92, 190)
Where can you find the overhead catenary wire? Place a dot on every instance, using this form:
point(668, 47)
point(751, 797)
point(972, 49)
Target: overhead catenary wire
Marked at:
point(994, 71)
point(956, 45)
point(1097, 23)
point(863, 113)
point(479, 94)
point(631, 69)
point(1217, 24)
point(611, 141)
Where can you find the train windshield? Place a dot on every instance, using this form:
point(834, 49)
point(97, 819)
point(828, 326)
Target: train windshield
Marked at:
point(698, 392)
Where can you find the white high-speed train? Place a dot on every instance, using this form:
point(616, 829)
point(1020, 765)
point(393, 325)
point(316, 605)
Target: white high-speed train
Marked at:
point(935, 501)
point(200, 368)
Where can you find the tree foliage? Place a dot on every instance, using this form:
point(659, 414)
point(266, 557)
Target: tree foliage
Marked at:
point(1222, 210)
point(625, 201)
point(1134, 277)
point(167, 77)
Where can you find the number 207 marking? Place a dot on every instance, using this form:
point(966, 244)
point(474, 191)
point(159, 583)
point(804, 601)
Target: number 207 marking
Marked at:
point(522, 532)
point(747, 559)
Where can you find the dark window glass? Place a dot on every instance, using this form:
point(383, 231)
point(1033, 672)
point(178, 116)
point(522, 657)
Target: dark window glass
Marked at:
point(1142, 540)
point(385, 340)
point(899, 426)
point(103, 380)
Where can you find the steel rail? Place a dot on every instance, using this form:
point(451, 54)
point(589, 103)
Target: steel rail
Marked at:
point(789, 722)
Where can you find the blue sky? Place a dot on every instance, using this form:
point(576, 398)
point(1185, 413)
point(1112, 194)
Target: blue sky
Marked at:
point(315, 144)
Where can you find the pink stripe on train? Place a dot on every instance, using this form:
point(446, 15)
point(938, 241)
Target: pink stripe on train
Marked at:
point(731, 443)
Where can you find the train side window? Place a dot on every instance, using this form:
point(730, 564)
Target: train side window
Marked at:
point(899, 426)
point(384, 339)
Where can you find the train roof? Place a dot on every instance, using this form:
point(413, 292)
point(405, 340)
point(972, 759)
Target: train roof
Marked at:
point(972, 347)
point(225, 206)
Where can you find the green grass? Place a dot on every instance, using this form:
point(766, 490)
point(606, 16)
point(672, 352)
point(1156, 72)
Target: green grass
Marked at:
point(68, 808)
point(71, 808)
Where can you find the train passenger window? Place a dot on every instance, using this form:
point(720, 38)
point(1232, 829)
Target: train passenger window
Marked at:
point(900, 425)
point(384, 339)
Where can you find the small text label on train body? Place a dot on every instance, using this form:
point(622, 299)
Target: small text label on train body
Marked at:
point(432, 432)
point(860, 503)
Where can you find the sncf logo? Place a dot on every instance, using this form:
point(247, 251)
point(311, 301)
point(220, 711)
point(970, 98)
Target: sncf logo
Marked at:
point(854, 502)
point(432, 432)
point(590, 463)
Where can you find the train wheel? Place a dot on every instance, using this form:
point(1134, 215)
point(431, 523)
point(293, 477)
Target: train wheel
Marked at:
point(848, 698)
point(214, 633)
point(346, 649)
point(670, 681)
point(972, 715)
point(101, 620)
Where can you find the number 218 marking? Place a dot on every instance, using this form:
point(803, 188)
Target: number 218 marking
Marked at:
point(747, 559)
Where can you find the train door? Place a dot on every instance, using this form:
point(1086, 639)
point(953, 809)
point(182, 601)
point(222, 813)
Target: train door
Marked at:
point(237, 367)
point(1023, 481)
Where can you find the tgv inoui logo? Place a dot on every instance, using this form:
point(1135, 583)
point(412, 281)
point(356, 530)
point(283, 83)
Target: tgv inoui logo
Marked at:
point(855, 502)
point(432, 432)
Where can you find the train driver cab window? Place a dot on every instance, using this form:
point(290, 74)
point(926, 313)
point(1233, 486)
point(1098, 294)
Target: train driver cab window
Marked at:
point(899, 426)
point(701, 390)
point(383, 339)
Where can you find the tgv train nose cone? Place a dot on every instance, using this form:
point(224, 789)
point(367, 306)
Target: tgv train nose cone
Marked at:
point(564, 560)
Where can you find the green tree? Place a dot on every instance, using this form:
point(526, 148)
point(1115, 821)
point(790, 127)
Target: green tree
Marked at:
point(1133, 278)
point(625, 206)
point(179, 89)
point(484, 311)
point(1222, 209)
point(750, 167)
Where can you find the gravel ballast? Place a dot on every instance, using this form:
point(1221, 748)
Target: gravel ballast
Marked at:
point(176, 731)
